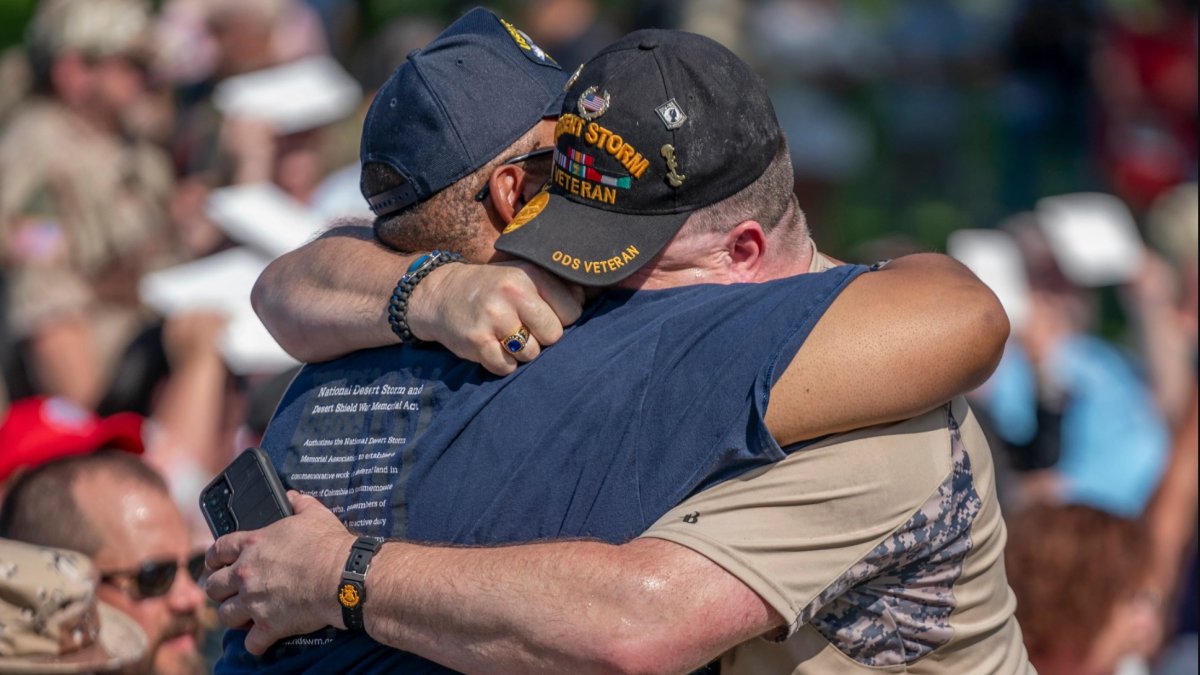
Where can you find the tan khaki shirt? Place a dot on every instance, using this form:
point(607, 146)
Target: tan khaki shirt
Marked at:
point(882, 548)
point(75, 204)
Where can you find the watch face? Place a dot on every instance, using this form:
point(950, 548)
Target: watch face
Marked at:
point(349, 595)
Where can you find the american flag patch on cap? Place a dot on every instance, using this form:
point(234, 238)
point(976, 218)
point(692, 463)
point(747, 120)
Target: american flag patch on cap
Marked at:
point(593, 103)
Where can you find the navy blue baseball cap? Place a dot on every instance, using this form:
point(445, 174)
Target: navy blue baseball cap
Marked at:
point(455, 105)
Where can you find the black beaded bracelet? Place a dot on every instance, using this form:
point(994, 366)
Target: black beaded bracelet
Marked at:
point(398, 304)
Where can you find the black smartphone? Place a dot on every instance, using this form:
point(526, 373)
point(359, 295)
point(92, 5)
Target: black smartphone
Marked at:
point(247, 495)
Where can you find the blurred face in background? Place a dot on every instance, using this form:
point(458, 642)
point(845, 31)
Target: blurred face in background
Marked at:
point(140, 525)
point(118, 82)
point(244, 39)
point(299, 166)
point(101, 87)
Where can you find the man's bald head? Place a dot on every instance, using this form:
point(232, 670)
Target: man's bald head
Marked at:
point(40, 506)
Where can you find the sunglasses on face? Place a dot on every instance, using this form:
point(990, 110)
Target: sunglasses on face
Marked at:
point(540, 152)
point(154, 578)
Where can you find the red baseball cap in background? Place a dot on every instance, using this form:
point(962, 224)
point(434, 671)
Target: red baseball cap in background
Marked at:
point(37, 430)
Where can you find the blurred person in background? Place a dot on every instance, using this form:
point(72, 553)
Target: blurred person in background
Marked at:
point(173, 374)
point(1145, 74)
point(572, 30)
point(212, 150)
point(1098, 430)
point(82, 205)
point(1079, 422)
point(114, 508)
point(813, 54)
point(243, 36)
point(1046, 100)
point(1081, 576)
point(1169, 339)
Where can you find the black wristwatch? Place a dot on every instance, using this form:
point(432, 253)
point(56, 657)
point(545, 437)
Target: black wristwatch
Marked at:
point(352, 592)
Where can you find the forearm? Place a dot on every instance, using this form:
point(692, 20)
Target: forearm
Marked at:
point(568, 606)
point(896, 343)
point(189, 413)
point(559, 607)
point(1167, 353)
point(1171, 515)
point(329, 297)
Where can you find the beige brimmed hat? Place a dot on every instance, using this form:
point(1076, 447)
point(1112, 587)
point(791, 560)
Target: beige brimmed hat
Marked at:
point(93, 27)
point(50, 619)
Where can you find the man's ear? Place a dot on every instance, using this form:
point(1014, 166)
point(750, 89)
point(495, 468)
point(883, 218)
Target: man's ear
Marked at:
point(746, 246)
point(505, 186)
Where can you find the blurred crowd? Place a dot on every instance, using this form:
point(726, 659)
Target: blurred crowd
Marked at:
point(154, 158)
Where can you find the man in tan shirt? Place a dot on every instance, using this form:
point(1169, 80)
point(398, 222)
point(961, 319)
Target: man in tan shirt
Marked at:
point(881, 548)
point(83, 208)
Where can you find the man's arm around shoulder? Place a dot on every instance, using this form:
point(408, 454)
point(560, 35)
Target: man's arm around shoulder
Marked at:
point(330, 297)
point(578, 606)
point(894, 344)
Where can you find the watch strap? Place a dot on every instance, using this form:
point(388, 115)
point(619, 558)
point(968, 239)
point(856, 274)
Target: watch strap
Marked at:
point(352, 588)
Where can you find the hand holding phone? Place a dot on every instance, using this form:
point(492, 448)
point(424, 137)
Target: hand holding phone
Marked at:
point(247, 495)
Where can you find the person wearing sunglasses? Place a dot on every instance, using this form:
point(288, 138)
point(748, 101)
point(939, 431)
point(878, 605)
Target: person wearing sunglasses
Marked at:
point(114, 508)
point(154, 578)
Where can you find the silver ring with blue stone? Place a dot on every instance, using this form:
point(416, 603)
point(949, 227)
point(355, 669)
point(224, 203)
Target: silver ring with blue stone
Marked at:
point(517, 341)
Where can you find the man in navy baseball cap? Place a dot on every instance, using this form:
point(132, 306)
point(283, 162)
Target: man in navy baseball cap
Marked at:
point(436, 122)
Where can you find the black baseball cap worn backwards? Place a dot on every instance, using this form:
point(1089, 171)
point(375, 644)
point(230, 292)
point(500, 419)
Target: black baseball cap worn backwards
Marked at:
point(657, 125)
point(456, 104)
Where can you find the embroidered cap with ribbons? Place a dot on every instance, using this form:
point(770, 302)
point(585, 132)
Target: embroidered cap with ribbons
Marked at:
point(659, 124)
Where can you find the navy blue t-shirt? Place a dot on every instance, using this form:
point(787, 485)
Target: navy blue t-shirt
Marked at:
point(650, 397)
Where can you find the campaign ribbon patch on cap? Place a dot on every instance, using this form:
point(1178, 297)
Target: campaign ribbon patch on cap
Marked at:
point(580, 173)
point(528, 47)
point(581, 164)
